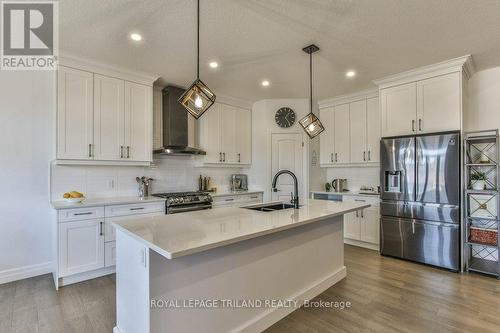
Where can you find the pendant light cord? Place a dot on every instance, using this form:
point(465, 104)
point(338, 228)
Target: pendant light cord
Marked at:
point(198, 41)
point(310, 83)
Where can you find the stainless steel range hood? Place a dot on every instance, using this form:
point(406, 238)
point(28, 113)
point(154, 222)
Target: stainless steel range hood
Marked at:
point(175, 125)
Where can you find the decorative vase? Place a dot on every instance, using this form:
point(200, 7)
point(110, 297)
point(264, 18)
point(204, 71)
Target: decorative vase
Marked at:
point(478, 185)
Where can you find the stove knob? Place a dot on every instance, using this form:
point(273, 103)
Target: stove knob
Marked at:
point(170, 201)
point(176, 200)
point(181, 200)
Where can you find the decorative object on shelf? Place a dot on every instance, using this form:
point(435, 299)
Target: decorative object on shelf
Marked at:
point(478, 180)
point(198, 98)
point(311, 123)
point(481, 223)
point(284, 117)
point(328, 187)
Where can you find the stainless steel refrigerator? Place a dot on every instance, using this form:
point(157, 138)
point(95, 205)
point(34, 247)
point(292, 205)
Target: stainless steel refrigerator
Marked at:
point(420, 192)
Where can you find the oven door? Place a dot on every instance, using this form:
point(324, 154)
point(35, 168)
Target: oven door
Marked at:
point(188, 208)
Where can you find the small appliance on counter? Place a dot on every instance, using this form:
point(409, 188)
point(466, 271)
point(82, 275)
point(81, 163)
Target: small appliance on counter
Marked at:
point(339, 185)
point(239, 183)
point(144, 186)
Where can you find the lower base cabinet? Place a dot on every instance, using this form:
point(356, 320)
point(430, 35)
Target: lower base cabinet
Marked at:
point(237, 200)
point(363, 226)
point(86, 238)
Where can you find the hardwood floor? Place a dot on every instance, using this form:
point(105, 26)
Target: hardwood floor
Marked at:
point(387, 295)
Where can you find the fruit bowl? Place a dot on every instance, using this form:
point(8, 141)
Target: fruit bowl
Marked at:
point(74, 200)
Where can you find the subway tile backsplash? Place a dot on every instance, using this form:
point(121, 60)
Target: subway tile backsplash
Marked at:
point(170, 174)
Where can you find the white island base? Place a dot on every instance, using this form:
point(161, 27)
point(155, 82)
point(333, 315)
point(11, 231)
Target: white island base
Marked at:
point(294, 264)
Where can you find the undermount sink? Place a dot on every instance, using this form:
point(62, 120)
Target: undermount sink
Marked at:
point(271, 207)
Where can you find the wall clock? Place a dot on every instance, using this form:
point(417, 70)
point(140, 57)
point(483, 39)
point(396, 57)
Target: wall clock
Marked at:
point(285, 117)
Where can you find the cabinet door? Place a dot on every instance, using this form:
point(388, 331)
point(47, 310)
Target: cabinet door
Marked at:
point(81, 246)
point(228, 133)
point(210, 134)
point(138, 122)
point(370, 226)
point(74, 114)
point(399, 110)
point(244, 136)
point(438, 103)
point(341, 134)
point(326, 139)
point(352, 228)
point(357, 129)
point(109, 254)
point(109, 122)
point(373, 129)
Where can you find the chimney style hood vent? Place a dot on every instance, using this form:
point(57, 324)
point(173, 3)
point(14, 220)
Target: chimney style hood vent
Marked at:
point(175, 125)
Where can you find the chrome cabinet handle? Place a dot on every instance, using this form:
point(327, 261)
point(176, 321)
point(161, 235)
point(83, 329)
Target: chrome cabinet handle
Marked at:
point(336, 160)
point(254, 197)
point(359, 200)
point(420, 124)
point(231, 199)
point(78, 214)
point(369, 155)
point(90, 150)
point(128, 151)
point(121, 151)
point(223, 157)
point(239, 158)
point(357, 214)
point(413, 125)
point(364, 156)
point(138, 208)
point(220, 157)
point(362, 213)
point(100, 229)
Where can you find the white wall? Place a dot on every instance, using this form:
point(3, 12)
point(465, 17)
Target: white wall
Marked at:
point(263, 124)
point(484, 101)
point(26, 136)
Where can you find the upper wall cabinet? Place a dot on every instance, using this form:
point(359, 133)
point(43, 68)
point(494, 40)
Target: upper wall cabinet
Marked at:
point(424, 100)
point(103, 119)
point(225, 133)
point(352, 130)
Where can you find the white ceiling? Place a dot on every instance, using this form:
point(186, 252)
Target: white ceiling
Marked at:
point(262, 39)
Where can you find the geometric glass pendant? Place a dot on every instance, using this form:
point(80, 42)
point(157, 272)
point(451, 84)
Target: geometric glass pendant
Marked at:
point(311, 125)
point(197, 99)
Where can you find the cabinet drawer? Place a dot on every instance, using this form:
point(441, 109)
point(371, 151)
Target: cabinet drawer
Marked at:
point(78, 214)
point(110, 231)
point(135, 209)
point(109, 254)
point(251, 198)
point(225, 200)
point(371, 201)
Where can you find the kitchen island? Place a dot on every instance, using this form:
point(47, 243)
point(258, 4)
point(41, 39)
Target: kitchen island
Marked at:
point(226, 269)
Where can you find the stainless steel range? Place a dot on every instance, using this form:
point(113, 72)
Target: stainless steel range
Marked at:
point(181, 202)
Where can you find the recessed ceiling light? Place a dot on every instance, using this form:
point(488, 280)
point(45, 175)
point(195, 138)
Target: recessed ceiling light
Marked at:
point(265, 83)
point(213, 64)
point(350, 74)
point(135, 37)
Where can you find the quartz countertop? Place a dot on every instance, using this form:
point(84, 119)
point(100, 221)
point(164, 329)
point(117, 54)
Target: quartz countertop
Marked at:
point(353, 193)
point(62, 204)
point(229, 193)
point(178, 235)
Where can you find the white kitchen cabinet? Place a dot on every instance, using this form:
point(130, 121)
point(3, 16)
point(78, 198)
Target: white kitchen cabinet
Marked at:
point(103, 119)
point(75, 122)
point(362, 227)
point(358, 132)
point(225, 134)
point(109, 118)
point(398, 110)
point(370, 224)
point(326, 138)
point(341, 135)
point(438, 104)
point(373, 130)
point(352, 227)
point(81, 246)
point(243, 136)
point(237, 200)
point(138, 122)
point(109, 254)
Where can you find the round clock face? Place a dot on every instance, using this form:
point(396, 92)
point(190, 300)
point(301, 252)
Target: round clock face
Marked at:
point(285, 117)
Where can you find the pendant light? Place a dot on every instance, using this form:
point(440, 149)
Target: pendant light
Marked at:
point(311, 123)
point(198, 98)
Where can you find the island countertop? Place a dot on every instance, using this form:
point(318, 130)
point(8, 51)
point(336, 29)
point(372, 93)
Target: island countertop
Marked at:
point(178, 235)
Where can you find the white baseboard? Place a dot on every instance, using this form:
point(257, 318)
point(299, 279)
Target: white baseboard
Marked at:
point(274, 315)
point(25, 272)
point(366, 245)
point(64, 281)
